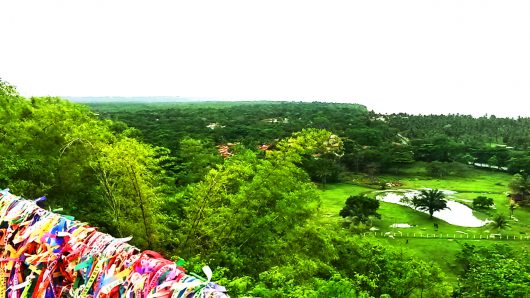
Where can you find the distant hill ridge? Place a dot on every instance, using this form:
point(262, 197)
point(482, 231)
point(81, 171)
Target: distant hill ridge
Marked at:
point(178, 99)
point(129, 99)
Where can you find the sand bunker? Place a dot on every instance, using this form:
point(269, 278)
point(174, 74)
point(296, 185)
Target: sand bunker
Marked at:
point(458, 214)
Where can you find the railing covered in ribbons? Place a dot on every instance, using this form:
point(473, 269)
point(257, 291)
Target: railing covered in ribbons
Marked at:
point(44, 254)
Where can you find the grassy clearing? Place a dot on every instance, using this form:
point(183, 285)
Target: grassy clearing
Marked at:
point(333, 198)
point(443, 251)
point(471, 180)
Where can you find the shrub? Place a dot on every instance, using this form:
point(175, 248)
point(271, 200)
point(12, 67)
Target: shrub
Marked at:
point(482, 202)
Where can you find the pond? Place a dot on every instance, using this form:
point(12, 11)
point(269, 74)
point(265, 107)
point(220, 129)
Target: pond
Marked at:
point(458, 214)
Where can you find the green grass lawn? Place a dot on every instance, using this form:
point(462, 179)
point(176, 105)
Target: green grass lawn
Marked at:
point(333, 197)
point(443, 251)
point(472, 180)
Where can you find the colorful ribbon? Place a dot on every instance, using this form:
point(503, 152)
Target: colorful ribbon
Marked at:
point(44, 254)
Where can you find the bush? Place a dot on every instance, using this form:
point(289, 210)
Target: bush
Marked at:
point(358, 209)
point(437, 169)
point(443, 169)
point(482, 202)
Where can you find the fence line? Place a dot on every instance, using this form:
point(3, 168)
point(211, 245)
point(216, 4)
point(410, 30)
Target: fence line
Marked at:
point(448, 236)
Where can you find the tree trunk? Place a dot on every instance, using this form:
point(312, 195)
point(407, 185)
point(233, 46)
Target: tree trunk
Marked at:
point(142, 207)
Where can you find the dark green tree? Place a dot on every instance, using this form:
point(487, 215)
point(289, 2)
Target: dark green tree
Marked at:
point(358, 209)
point(520, 187)
point(437, 169)
point(431, 200)
point(482, 202)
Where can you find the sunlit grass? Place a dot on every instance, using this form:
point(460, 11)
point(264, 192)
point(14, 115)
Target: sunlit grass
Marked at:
point(443, 251)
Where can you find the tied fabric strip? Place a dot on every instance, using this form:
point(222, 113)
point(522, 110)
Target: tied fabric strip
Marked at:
point(43, 254)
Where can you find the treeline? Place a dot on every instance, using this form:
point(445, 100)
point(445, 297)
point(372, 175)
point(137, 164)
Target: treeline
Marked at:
point(250, 216)
point(373, 142)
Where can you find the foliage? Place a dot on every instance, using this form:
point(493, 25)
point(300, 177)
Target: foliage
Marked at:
point(129, 172)
point(520, 187)
point(7, 90)
point(497, 271)
point(195, 158)
point(359, 208)
point(245, 207)
point(431, 200)
point(52, 147)
point(443, 169)
point(324, 169)
point(373, 143)
point(482, 202)
point(438, 169)
point(379, 270)
point(519, 162)
point(500, 221)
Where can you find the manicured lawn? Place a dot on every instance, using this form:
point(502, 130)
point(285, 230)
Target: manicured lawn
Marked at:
point(473, 180)
point(475, 183)
point(443, 251)
point(333, 198)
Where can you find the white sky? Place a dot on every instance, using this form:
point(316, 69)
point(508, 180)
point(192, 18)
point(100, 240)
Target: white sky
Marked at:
point(471, 57)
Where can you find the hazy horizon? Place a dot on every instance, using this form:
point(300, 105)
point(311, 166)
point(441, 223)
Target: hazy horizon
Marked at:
point(413, 56)
point(179, 99)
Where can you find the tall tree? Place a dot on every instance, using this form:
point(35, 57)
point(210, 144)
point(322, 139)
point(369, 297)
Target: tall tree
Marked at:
point(130, 176)
point(431, 200)
point(520, 187)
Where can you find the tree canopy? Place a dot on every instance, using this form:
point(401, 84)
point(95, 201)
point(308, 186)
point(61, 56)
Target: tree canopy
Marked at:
point(360, 208)
point(430, 200)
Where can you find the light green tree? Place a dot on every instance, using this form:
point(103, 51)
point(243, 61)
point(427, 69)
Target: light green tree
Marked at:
point(130, 176)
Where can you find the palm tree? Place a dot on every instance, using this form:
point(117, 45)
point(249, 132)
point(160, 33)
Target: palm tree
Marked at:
point(500, 221)
point(430, 200)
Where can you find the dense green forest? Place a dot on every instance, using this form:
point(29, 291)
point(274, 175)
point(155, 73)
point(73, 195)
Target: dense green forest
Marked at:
point(278, 198)
point(372, 142)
